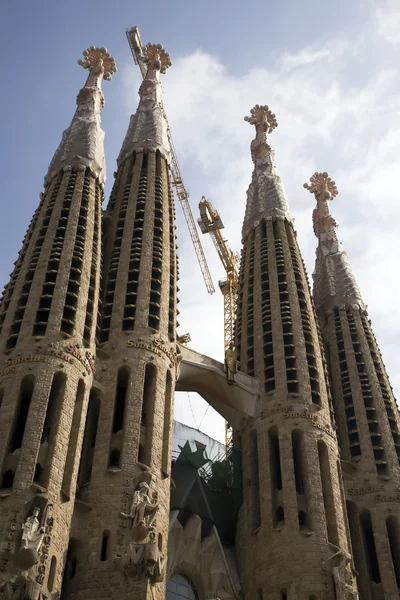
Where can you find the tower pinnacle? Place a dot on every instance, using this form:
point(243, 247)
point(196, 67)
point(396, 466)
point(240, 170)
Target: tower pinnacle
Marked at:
point(148, 128)
point(265, 195)
point(83, 142)
point(334, 282)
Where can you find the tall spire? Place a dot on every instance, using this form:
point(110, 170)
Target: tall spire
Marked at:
point(334, 282)
point(148, 128)
point(83, 142)
point(265, 195)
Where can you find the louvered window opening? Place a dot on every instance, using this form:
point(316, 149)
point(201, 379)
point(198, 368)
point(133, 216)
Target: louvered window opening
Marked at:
point(128, 322)
point(351, 420)
point(46, 298)
point(266, 314)
point(172, 311)
point(26, 287)
point(156, 275)
point(239, 312)
point(90, 307)
point(113, 266)
point(286, 317)
point(10, 286)
point(250, 308)
point(379, 370)
point(71, 299)
point(369, 403)
point(306, 324)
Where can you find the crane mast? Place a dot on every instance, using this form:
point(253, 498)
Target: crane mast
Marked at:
point(210, 222)
point(136, 46)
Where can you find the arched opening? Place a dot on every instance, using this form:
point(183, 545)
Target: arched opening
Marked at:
point(50, 427)
point(148, 404)
point(89, 440)
point(259, 594)
point(104, 546)
point(283, 595)
point(255, 483)
point(71, 565)
point(180, 587)
point(300, 475)
point(369, 547)
point(166, 458)
point(8, 479)
point(21, 414)
point(73, 439)
point(52, 574)
point(393, 531)
point(119, 416)
point(278, 515)
point(327, 493)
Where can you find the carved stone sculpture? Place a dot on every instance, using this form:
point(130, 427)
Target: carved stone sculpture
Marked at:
point(32, 532)
point(343, 577)
point(142, 512)
point(231, 364)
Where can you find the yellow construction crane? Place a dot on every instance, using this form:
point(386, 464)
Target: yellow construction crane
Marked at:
point(211, 222)
point(136, 47)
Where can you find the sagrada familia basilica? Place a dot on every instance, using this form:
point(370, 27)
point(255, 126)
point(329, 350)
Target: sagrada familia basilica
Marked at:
point(93, 505)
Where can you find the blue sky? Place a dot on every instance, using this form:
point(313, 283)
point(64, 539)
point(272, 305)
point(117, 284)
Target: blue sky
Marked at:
point(329, 70)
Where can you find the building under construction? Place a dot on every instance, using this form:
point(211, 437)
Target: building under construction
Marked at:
point(303, 505)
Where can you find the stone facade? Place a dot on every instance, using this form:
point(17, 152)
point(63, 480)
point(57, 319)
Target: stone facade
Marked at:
point(89, 361)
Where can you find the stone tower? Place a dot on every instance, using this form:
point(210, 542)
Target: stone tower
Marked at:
point(292, 539)
point(120, 537)
point(47, 344)
point(365, 409)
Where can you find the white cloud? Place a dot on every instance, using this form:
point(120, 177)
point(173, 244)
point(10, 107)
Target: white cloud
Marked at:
point(338, 110)
point(388, 21)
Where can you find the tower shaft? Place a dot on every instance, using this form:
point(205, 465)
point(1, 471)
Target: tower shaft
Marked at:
point(47, 343)
point(293, 498)
point(366, 412)
point(125, 467)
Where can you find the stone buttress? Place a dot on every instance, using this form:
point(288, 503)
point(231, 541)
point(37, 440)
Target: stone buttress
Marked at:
point(122, 514)
point(48, 317)
point(292, 540)
point(365, 408)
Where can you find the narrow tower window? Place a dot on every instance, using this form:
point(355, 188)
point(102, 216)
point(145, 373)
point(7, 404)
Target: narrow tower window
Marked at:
point(167, 425)
point(104, 546)
point(89, 440)
point(20, 418)
point(266, 313)
point(327, 493)
point(49, 433)
point(278, 515)
point(148, 404)
point(369, 547)
point(255, 483)
point(300, 474)
point(119, 414)
point(393, 531)
point(73, 439)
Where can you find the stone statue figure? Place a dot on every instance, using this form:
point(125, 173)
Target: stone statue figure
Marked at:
point(32, 532)
point(142, 512)
point(231, 364)
point(344, 578)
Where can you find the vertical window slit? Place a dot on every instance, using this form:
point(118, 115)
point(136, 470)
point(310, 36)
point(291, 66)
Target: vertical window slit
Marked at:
point(52, 573)
point(148, 404)
point(255, 482)
point(369, 547)
point(118, 420)
point(266, 314)
point(73, 439)
point(89, 440)
point(166, 458)
point(393, 531)
point(49, 432)
point(300, 474)
point(278, 515)
point(104, 546)
point(327, 493)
